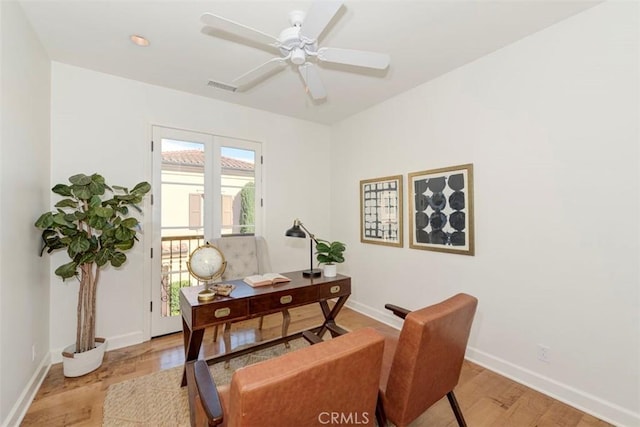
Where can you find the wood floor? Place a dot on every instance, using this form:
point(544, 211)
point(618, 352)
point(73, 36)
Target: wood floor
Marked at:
point(487, 399)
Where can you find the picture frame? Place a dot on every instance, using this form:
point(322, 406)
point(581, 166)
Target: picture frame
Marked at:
point(381, 211)
point(441, 210)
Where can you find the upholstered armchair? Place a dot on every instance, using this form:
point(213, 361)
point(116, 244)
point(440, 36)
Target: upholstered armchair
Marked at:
point(423, 363)
point(245, 256)
point(335, 380)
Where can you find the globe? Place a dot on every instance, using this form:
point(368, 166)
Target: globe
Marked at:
point(206, 263)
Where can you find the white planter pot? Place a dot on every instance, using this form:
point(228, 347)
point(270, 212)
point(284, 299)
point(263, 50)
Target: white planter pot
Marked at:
point(330, 270)
point(78, 364)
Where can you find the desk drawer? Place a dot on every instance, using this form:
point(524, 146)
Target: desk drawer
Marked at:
point(335, 289)
point(285, 299)
point(218, 312)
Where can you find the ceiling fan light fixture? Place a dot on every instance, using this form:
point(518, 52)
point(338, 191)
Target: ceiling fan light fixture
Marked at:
point(298, 56)
point(139, 40)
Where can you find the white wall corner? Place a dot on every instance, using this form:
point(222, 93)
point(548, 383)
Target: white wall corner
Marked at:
point(21, 406)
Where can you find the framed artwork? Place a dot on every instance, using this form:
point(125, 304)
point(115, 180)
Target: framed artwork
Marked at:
point(381, 211)
point(441, 210)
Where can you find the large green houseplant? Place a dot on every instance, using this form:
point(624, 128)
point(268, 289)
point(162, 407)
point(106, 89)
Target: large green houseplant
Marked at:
point(94, 231)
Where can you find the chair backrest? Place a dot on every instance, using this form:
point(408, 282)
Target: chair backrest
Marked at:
point(335, 380)
point(245, 256)
point(428, 358)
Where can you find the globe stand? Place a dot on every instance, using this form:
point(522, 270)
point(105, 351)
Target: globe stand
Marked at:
point(206, 263)
point(206, 294)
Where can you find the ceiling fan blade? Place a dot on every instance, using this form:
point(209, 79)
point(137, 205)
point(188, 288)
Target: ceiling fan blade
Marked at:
point(232, 27)
point(309, 73)
point(359, 58)
point(318, 17)
point(260, 71)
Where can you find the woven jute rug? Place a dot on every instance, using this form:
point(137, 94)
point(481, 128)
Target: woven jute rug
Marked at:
point(158, 400)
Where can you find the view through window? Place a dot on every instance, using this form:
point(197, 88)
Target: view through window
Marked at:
point(206, 190)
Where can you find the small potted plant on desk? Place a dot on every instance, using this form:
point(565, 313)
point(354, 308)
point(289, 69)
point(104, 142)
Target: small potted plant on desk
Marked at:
point(330, 254)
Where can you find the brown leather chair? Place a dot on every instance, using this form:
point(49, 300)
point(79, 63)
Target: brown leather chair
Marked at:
point(335, 380)
point(423, 363)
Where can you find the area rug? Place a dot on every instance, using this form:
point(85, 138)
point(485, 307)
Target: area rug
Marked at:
point(158, 400)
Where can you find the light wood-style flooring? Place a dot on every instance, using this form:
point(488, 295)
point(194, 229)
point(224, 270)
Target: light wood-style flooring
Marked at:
point(487, 399)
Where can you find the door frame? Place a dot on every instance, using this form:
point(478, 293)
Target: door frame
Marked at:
point(153, 238)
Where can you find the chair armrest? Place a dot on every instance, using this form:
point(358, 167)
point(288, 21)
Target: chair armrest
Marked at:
point(398, 311)
point(199, 381)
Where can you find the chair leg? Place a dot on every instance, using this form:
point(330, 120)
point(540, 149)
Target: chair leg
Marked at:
point(456, 409)
point(215, 333)
point(226, 336)
point(286, 320)
point(381, 417)
point(260, 322)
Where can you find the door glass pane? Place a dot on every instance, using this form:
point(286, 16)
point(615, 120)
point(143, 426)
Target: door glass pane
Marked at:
point(182, 201)
point(238, 180)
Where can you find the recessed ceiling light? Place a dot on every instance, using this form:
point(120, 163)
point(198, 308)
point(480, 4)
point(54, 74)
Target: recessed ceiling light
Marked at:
point(139, 40)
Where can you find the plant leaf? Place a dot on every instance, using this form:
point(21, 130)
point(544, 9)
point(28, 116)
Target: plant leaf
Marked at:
point(62, 189)
point(45, 220)
point(130, 223)
point(118, 259)
point(67, 271)
point(80, 179)
point(81, 192)
point(78, 245)
point(141, 188)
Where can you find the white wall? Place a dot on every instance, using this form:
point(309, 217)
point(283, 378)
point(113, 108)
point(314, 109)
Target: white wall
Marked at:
point(24, 194)
point(102, 123)
point(551, 126)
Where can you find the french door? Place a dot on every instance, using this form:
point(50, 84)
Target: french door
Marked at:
point(205, 186)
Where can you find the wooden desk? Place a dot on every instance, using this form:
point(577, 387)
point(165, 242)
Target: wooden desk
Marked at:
point(246, 302)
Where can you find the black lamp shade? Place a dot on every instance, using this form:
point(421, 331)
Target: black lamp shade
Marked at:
point(295, 231)
point(298, 230)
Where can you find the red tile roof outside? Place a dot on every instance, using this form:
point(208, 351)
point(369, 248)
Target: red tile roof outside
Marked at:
point(196, 158)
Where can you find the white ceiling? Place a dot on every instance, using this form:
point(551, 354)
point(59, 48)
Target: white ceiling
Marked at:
point(425, 39)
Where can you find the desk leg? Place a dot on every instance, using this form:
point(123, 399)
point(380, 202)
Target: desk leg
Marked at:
point(192, 343)
point(330, 317)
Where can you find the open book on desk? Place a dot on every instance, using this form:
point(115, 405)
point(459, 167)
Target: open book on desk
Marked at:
point(266, 279)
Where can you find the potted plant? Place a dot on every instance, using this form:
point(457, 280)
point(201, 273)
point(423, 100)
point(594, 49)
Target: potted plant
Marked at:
point(94, 231)
point(330, 254)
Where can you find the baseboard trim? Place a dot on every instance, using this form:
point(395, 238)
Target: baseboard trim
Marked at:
point(578, 399)
point(585, 402)
point(379, 315)
point(113, 343)
point(21, 407)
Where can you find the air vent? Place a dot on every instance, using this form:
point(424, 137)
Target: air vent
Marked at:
point(222, 86)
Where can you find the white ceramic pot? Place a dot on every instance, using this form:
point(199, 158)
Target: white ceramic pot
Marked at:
point(78, 364)
point(330, 270)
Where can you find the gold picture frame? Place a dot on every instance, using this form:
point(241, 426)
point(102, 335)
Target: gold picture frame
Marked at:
point(381, 211)
point(441, 210)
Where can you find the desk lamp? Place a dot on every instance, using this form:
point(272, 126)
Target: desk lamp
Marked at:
point(298, 230)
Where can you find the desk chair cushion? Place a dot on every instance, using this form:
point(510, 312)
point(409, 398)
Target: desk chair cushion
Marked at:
point(336, 376)
point(427, 359)
point(245, 256)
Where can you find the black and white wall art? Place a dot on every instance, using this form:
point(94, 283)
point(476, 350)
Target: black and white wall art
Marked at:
point(381, 211)
point(441, 210)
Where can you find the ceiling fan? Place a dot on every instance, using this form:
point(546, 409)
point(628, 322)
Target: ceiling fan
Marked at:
point(299, 45)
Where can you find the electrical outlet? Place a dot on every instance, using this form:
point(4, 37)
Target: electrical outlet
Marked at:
point(33, 353)
point(543, 353)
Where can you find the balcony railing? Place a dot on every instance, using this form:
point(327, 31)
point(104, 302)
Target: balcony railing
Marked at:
point(175, 274)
